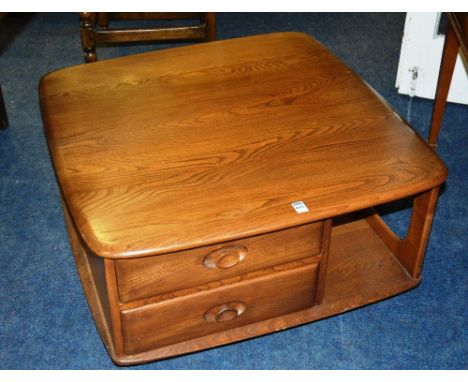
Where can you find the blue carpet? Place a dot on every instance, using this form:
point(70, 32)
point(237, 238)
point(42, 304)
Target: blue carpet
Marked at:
point(45, 322)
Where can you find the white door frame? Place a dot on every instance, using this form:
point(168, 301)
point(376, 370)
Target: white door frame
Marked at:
point(420, 55)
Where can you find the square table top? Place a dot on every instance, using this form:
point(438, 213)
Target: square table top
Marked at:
point(183, 147)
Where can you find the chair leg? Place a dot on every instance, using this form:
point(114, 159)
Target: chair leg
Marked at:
point(210, 21)
point(87, 23)
point(449, 58)
point(3, 114)
point(103, 20)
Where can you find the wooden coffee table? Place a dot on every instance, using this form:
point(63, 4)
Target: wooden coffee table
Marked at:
point(223, 191)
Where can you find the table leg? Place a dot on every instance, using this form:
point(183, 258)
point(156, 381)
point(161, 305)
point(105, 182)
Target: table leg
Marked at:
point(411, 250)
point(449, 57)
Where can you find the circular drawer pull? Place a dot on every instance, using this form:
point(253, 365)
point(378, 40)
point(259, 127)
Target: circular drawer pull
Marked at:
point(225, 312)
point(226, 257)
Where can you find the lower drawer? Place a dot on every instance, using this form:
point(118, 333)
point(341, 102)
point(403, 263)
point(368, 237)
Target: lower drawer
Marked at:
point(172, 321)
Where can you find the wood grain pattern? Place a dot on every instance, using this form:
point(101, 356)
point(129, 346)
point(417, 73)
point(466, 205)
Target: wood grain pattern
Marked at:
point(219, 283)
point(181, 319)
point(180, 146)
point(148, 276)
point(184, 178)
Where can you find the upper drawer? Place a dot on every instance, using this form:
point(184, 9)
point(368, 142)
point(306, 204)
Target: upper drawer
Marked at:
point(149, 276)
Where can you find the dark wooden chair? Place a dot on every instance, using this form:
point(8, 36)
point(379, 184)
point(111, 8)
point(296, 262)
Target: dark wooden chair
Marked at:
point(95, 29)
point(456, 38)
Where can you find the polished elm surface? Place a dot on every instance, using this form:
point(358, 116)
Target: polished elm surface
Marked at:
point(223, 134)
point(37, 330)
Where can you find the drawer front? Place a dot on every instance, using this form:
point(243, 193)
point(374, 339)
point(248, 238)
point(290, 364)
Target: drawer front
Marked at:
point(184, 318)
point(149, 276)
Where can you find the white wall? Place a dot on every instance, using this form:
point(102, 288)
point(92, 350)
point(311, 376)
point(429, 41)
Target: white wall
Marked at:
point(421, 52)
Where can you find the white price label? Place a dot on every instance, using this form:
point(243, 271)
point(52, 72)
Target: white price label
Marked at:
point(300, 207)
